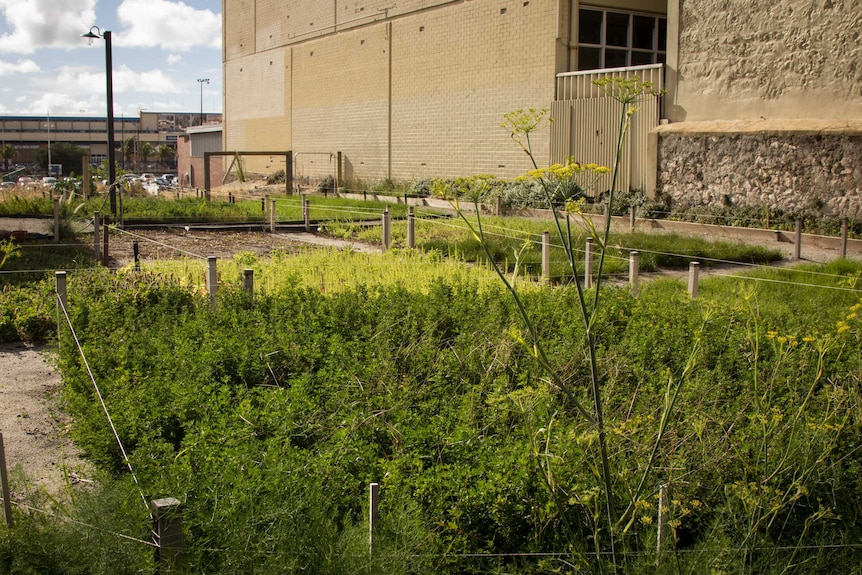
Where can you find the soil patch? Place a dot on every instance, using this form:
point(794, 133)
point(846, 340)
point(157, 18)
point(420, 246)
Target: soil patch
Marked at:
point(35, 428)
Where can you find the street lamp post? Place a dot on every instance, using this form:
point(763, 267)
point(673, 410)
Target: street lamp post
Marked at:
point(202, 81)
point(49, 142)
point(95, 32)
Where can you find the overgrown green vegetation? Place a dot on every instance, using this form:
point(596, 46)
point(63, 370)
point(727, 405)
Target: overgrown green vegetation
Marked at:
point(269, 415)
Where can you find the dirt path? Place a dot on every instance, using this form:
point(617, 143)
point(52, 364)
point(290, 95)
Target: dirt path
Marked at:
point(35, 430)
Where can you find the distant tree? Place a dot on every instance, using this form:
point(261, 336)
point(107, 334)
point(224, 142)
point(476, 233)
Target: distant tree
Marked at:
point(145, 151)
point(128, 148)
point(68, 155)
point(165, 153)
point(7, 152)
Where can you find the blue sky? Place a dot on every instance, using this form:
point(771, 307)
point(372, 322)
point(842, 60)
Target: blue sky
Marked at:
point(160, 49)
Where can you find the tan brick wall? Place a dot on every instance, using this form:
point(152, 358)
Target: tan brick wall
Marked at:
point(743, 59)
point(456, 68)
point(340, 94)
point(238, 31)
point(456, 73)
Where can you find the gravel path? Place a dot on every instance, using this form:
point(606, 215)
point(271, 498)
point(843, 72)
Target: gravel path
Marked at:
point(35, 430)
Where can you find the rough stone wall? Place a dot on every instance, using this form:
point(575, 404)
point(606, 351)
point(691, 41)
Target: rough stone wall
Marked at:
point(812, 174)
point(746, 59)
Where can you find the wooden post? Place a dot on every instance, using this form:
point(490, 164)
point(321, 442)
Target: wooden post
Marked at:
point(136, 255)
point(4, 479)
point(588, 264)
point(634, 264)
point(105, 234)
point(632, 218)
point(85, 176)
point(798, 247)
point(306, 217)
point(546, 256)
point(606, 213)
point(844, 237)
point(56, 219)
point(272, 216)
point(263, 206)
point(373, 498)
point(60, 283)
point(338, 174)
point(212, 279)
point(167, 532)
point(498, 208)
point(248, 280)
point(663, 512)
point(288, 173)
point(693, 272)
point(411, 228)
point(97, 241)
point(387, 229)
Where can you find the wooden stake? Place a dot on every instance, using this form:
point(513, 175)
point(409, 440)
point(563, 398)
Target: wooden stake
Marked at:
point(248, 280)
point(168, 533)
point(373, 496)
point(693, 273)
point(97, 241)
point(798, 251)
point(411, 228)
point(212, 279)
point(4, 479)
point(60, 283)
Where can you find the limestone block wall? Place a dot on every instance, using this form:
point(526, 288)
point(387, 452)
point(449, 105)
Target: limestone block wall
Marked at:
point(771, 59)
point(806, 172)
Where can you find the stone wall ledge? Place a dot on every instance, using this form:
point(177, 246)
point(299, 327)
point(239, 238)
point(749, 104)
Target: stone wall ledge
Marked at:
point(797, 126)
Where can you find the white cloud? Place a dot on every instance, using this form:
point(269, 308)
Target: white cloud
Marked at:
point(62, 104)
point(125, 80)
point(45, 23)
point(174, 59)
point(20, 67)
point(165, 24)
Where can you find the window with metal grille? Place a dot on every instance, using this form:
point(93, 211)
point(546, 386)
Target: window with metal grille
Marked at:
point(615, 39)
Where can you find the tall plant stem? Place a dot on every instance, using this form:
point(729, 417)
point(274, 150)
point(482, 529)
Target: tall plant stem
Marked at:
point(588, 317)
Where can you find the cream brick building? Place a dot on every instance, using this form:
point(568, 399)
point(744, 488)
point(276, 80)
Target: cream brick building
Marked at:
point(418, 88)
point(411, 89)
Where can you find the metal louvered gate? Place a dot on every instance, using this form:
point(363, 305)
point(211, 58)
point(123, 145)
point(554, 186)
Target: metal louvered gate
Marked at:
point(586, 122)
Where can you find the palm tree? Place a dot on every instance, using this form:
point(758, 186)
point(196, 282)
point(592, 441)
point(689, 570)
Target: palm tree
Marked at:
point(164, 153)
point(128, 149)
point(146, 150)
point(7, 152)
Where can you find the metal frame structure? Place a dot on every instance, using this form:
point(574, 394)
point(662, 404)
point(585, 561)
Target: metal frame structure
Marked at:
point(288, 167)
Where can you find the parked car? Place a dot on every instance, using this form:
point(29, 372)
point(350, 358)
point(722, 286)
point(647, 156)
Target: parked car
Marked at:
point(49, 181)
point(24, 180)
point(162, 183)
point(8, 185)
point(148, 177)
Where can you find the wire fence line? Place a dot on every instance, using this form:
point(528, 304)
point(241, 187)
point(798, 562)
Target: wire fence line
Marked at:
point(68, 519)
point(492, 230)
point(62, 307)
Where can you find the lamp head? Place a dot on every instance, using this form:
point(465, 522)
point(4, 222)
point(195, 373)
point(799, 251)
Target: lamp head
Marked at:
point(91, 35)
